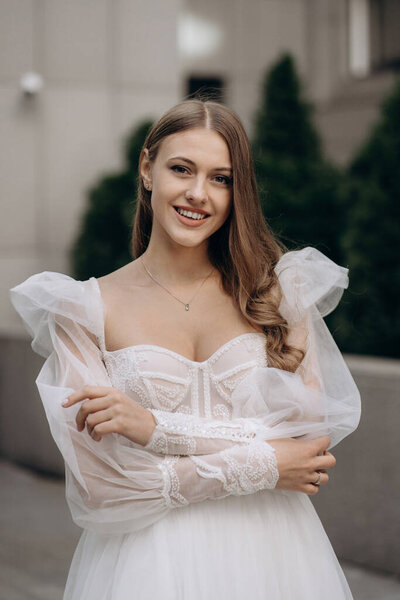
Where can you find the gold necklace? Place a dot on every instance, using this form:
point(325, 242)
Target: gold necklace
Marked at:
point(185, 304)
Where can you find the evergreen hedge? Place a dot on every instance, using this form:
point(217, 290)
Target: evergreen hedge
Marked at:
point(299, 189)
point(371, 239)
point(103, 242)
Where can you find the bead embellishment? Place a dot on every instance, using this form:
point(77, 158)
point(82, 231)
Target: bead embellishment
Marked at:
point(259, 472)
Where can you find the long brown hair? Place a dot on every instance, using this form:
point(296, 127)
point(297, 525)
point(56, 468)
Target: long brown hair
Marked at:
point(247, 270)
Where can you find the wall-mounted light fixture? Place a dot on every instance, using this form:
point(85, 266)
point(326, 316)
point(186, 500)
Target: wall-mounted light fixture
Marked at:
point(198, 38)
point(31, 83)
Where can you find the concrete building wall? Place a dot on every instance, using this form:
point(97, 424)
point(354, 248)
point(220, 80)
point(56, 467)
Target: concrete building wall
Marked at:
point(360, 506)
point(105, 66)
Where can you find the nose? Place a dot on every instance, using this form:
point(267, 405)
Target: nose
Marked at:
point(197, 192)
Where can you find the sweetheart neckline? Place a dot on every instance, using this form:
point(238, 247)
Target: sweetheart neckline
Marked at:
point(180, 356)
point(167, 350)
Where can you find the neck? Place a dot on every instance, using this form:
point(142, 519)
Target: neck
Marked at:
point(177, 265)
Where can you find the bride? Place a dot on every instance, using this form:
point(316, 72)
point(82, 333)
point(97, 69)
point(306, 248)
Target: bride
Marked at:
point(200, 377)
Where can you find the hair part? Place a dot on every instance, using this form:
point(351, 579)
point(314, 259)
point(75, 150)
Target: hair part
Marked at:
point(247, 270)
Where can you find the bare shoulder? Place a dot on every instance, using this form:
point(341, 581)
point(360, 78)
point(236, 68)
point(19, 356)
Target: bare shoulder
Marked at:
point(121, 281)
point(128, 306)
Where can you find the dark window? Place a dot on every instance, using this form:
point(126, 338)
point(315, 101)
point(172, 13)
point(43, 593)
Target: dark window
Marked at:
point(210, 87)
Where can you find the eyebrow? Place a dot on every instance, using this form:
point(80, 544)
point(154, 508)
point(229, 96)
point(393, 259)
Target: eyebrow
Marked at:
point(194, 164)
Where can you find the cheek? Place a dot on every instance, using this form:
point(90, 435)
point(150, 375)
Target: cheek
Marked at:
point(165, 190)
point(226, 208)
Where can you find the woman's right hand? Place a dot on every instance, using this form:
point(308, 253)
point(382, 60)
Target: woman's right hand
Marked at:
point(300, 461)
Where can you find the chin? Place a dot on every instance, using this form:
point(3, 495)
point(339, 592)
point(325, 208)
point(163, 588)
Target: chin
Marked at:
point(189, 241)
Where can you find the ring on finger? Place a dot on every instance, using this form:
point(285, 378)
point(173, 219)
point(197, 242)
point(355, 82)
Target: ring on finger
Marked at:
point(318, 482)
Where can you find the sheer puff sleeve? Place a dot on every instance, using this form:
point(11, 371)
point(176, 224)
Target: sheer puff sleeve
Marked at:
point(321, 397)
point(117, 486)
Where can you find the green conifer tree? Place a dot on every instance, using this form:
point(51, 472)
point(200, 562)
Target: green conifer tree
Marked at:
point(371, 239)
point(299, 190)
point(104, 240)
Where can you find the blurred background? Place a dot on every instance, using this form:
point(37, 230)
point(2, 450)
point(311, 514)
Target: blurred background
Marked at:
point(316, 84)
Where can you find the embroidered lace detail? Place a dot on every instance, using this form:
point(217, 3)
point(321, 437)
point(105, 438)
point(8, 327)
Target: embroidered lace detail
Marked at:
point(165, 396)
point(222, 411)
point(121, 369)
point(259, 472)
point(170, 491)
point(258, 346)
point(233, 380)
point(149, 388)
point(140, 392)
point(161, 443)
point(183, 434)
point(183, 409)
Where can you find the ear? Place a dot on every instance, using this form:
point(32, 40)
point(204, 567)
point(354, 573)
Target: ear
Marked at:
point(145, 166)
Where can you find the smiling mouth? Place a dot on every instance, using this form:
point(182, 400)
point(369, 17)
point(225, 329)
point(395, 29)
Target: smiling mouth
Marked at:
point(189, 214)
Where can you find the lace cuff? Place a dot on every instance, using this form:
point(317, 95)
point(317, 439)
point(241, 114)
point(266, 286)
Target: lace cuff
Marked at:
point(237, 471)
point(181, 434)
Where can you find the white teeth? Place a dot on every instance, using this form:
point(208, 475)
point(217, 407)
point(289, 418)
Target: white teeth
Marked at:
point(191, 215)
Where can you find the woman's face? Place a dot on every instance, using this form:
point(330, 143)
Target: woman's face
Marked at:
point(191, 183)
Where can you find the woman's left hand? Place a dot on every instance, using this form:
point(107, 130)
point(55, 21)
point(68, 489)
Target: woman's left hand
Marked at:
point(108, 410)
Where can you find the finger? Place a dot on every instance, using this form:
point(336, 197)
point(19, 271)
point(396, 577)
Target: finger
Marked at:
point(95, 436)
point(322, 443)
point(327, 461)
point(88, 407)
point(319, 478)
point(105, 427)
point(88, 391)
point(99, 417)
point(324, 478)
point(311, 489)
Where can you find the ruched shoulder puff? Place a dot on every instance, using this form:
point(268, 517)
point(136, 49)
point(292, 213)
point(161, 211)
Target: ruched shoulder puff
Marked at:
point(321, 397)
point(309, 278)
point(45, 297)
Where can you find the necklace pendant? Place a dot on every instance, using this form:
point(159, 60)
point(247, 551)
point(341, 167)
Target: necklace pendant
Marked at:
point(186, 306)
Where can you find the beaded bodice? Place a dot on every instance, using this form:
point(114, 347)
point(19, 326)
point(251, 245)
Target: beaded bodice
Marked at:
point(163, 379)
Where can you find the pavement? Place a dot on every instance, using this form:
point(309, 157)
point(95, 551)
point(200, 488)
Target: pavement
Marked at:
point(38, 538)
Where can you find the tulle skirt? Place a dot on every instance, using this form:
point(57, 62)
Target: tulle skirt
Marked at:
point(266, 546)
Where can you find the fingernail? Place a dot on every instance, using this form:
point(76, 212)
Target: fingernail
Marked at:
point(65, 402)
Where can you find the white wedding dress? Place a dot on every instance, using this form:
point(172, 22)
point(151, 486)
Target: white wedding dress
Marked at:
point(194, 515)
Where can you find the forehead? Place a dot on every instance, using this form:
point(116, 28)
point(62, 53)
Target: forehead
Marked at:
point(198, 143)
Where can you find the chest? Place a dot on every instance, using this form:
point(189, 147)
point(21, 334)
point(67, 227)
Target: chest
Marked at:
point(145, 317)
point(160, 378)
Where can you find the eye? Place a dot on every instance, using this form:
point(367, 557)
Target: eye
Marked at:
point(184, 169)
point(224, 180)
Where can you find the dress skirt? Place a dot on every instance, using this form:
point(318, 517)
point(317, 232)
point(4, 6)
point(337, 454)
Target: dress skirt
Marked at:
point(266, 546)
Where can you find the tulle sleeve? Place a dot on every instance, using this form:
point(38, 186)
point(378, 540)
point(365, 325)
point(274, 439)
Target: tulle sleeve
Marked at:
point(321, 397)
point(108, 485)
point(117, 486)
